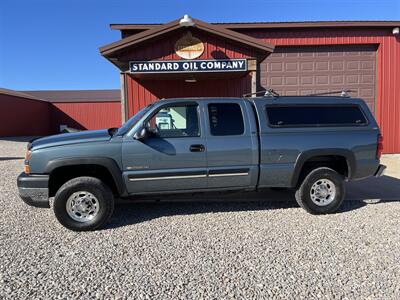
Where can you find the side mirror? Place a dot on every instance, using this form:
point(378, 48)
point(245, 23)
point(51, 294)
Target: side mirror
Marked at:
point(141, 134)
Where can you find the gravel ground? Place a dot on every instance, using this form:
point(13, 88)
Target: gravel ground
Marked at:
point(189, 250)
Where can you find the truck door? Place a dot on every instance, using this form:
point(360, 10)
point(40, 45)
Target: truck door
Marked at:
point(173, 156)
point(232, 144)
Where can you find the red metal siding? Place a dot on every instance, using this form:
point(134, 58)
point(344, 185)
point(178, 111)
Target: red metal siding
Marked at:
point(23, 117)
point(388, 68)
point(94, 115)
point(143, 92)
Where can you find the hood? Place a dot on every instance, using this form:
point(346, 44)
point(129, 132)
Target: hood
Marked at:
point(71, 138)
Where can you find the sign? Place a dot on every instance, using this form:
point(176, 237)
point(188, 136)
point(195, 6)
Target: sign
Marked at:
point(189, 47)
point(188, 66)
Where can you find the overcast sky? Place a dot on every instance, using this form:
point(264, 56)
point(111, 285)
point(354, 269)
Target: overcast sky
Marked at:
point(53, 44)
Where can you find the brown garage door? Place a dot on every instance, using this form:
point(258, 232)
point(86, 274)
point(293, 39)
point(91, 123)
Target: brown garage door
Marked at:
point(318, 69)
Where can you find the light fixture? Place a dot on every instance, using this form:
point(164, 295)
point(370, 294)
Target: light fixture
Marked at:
point(191, 80)
point(396, 31)
point(186, 21)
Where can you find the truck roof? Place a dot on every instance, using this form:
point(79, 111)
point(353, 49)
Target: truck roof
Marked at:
point(281, 99)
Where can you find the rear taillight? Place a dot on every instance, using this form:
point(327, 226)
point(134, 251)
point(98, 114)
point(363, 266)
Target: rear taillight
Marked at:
point(379, 148)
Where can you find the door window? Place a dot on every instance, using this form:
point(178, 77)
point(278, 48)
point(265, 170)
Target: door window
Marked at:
point(175, 121)
point(225, 119)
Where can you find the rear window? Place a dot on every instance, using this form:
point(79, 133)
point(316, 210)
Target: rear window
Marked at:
point(315, 116)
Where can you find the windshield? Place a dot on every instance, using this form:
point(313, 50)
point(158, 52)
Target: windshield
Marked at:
point(133, 121)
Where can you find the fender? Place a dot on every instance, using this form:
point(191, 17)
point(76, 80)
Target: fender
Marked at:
point(306, 155)
point(109, 163)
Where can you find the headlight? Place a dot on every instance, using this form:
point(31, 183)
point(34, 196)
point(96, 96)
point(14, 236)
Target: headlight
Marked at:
point(26, 164)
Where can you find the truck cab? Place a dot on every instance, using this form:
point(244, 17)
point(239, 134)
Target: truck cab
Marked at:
point(210, 145)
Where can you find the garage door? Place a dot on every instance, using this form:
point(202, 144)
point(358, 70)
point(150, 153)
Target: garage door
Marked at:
point(318, 69)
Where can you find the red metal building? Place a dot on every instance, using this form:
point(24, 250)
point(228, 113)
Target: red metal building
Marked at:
point(23, 114)
point(82, 109)
point(37, 113)
point(292, 58)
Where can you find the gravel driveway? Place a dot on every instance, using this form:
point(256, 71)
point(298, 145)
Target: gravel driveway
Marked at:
point(249, 248)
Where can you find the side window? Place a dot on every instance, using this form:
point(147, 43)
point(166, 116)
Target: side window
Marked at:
point(175, 121)
point(315, 116)
point(225, 119)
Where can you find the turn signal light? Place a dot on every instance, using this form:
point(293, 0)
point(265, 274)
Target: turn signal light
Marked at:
point(379, 148)
point(26, 163)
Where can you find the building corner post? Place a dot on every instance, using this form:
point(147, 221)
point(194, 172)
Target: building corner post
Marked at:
point(254, 84)
point(123, 97)
point(253, 68)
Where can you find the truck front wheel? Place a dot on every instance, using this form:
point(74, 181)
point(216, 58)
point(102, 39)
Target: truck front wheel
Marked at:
point(321, 192)
point(83, 204)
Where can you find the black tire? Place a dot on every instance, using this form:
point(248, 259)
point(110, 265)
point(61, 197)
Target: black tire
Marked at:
point(303, 194)
point(98, 189)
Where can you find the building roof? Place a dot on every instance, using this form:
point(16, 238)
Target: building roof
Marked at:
point(277, 25)
point(159, 30)
point(19, 94)
point(76, 95)
point(312, 24)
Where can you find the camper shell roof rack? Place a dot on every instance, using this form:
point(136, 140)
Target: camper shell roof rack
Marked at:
point(271, 93)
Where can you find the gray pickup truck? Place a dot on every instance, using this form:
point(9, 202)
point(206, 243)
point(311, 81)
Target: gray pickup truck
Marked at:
point(311, 144)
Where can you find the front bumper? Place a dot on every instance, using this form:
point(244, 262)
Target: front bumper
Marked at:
point(380, 171)
point(34, 189)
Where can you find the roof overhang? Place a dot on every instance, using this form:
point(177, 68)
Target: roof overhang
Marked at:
point(112, 49)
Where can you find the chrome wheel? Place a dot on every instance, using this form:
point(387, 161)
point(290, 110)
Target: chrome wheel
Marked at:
point(82, 206)
point(323, 192)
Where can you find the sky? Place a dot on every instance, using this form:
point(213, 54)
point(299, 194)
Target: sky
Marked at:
point(53, 44)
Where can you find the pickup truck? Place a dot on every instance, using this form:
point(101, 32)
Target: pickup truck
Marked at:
point(310, 144)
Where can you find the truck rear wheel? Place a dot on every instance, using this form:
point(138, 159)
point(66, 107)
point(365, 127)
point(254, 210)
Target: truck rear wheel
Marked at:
point(83, 204)
point(321, 192)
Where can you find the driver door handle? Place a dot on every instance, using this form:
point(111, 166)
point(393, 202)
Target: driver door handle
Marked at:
point(197, 148)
